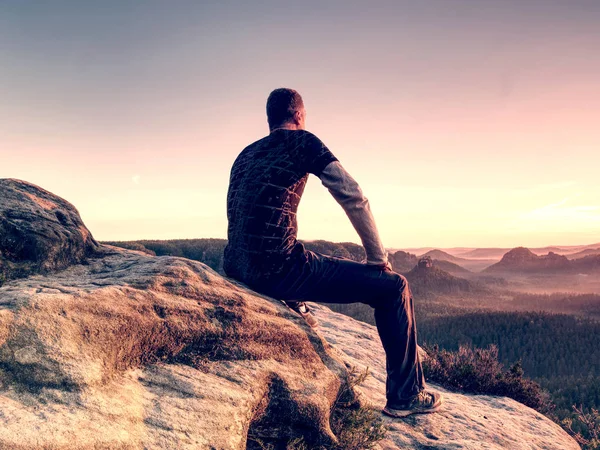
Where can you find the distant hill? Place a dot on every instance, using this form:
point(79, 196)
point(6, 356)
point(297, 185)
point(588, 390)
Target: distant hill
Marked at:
point(207, 250)
point(497, 252)
point(587, 264)
point(583, 253)
point(210, 251)
point(347, 250)
point(441, 255)
point(433, 280)
point(523, 260)
point(404, 262)
point(450, 267)
point(485, 253)
point(563, 249)
point(456, 264)
point(545, 250)
point(416, 251)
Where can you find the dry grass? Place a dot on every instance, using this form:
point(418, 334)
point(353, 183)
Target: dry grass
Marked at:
point(355, 426)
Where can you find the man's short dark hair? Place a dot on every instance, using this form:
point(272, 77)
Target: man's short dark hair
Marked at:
point(281, 106)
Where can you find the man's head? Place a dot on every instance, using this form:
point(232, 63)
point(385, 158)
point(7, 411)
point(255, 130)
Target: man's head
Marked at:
point(285, 109)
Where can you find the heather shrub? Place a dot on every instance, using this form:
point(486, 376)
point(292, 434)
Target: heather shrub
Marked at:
point(478, 371)
point(584, 427)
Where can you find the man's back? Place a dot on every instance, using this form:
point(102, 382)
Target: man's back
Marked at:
point(266, 184)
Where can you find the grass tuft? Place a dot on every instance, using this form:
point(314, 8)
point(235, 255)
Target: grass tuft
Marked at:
point(356, 426)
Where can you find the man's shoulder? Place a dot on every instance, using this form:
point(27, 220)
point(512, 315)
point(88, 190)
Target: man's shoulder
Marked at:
point(258, 143)
point(306, 136)
point(251, 148)
point(283, 135)
point(309, 134)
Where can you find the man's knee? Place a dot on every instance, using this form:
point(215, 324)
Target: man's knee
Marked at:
point(403, 289)
point(396, 292)
point(401, 282)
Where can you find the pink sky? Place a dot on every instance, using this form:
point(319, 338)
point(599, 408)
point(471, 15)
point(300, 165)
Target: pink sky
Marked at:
point(466, 123)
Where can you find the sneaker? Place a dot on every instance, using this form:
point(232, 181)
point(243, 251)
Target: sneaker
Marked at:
point(303, 309)
point(423, 402)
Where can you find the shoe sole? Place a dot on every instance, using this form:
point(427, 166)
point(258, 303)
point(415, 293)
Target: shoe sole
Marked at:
point(309, 318)
point(407, 412)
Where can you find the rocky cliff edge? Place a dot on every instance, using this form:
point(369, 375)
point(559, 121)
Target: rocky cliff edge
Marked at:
point(102, 347)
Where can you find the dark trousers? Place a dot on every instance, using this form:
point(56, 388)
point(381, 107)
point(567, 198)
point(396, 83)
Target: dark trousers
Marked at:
point(328, 279)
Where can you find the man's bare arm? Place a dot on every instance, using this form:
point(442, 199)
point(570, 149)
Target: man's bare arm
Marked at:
point(349, 195)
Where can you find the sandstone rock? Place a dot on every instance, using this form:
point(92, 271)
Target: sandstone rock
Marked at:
point(39, 231)
point(403, 261)
point(135, 351)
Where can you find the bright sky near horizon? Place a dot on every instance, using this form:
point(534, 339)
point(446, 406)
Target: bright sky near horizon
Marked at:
point(466, 123)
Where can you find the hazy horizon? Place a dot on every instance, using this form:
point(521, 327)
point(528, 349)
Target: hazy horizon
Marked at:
point(466, 123)
point(424, 247)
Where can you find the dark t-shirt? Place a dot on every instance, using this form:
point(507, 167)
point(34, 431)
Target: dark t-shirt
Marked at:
point(267, 180)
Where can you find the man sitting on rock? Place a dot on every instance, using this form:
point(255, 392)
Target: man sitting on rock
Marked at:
point(267, 180)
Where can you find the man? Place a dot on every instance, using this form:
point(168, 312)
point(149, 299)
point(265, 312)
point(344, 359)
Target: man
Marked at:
point(267, 181)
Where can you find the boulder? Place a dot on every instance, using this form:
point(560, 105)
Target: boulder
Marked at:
point(39, 231)
point(136, 351)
